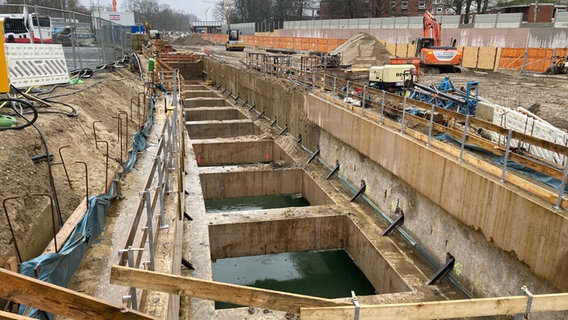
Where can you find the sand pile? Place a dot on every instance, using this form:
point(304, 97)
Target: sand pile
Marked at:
point(192, 40)
point(363, 51)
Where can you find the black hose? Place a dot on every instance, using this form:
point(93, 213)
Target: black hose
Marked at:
point(20, 113)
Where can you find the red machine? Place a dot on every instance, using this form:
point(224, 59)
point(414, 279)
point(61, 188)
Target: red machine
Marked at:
point(433, 56)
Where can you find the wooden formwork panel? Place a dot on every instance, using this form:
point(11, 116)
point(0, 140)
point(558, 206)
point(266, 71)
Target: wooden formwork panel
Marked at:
point(511, 58)
point(487, 58)
point(538, 59)
point(391, 47)
point(470, 57)
point(400, 50)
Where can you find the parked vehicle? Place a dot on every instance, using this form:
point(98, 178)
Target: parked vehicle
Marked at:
point(27, 28)
point(79, 35)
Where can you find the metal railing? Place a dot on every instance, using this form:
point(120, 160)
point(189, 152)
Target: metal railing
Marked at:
point(167, 166)
point(395, 111)
point(87, 41)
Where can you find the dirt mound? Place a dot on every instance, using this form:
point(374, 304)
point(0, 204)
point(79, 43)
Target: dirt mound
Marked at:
point(192, 40)
point(363, 50)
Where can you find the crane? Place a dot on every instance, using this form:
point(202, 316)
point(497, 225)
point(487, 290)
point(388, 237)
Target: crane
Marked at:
point(433, 56)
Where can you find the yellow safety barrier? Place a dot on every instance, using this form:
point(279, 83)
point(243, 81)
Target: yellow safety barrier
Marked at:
point(4, 84)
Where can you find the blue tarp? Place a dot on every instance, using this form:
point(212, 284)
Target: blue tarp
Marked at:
point(58, 268)
point(548, 180)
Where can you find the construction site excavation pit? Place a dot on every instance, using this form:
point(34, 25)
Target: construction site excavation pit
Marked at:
point(324, 273)
point(325, 256)
point(215, 153)
point(213, 113)
point(205, 102)
point(242, 190)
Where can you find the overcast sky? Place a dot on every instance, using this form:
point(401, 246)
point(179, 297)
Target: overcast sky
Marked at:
point(196, 7)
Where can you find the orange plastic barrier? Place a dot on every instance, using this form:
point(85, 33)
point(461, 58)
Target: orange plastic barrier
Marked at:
point(291, 43)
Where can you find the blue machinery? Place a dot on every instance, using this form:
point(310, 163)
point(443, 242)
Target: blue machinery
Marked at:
point(446, 96)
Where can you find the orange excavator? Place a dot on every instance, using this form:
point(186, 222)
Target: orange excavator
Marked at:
point(433, 56)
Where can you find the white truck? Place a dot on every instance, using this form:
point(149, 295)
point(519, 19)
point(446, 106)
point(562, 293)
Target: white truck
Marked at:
point(392, 77)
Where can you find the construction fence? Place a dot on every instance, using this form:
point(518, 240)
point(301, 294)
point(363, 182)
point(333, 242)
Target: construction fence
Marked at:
point(481, 58)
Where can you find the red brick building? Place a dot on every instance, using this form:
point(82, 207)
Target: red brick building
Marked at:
point(343, 9)
point(545, 11)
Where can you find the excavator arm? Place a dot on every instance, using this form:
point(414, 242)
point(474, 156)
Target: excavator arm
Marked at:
point(432, 28)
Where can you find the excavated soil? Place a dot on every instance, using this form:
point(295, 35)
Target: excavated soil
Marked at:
point(363, 51)
point(99, 99)
point(192, 40)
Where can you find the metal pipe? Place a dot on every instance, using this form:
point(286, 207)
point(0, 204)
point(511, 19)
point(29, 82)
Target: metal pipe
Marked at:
point(126, 126)
point(161, 189)
point(64, 166)
point(334, 171)
point(347, 95)
point(283, 130)
point(395, 224)
point(444, 270)
point(507, 149)
point(252, 107)
point(431, 125)
point(273, 122)
point(360, 192)
point(260, 115)
point(95, 132)
point(150, 227)
point(314, 155)
point(11, 228)
point(382, 107)
point(464, 137)
point(403, 113)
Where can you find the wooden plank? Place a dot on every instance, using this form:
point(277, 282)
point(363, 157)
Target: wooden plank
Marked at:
point(442, 309)
point(65, 231)
point(9, 263)
point(51, 298)
point(217, 291)
point(12, 316)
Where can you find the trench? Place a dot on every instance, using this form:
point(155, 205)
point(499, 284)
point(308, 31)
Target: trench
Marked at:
point(267, 219)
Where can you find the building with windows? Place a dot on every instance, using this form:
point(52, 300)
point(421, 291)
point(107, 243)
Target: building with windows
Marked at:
point(342, 9)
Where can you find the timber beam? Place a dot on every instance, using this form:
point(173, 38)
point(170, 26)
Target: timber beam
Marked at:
point(217, 291)
point(58, 300)
point(443, 309)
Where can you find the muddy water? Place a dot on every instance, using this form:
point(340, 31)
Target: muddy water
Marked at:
point(255, 203)
point(326, 274)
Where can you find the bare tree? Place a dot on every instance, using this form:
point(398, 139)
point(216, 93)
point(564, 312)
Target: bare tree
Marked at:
point(378, 8)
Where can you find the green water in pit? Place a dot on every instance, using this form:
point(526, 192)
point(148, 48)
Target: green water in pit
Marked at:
point(326, 274)
point(255, 203)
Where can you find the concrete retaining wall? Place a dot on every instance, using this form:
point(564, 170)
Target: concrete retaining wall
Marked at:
point(261, 183)
point(502, 239)
point(216, 153)
point(303, 234)
point(530, 231)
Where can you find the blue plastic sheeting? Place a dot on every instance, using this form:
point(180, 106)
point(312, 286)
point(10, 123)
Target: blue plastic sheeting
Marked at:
point(546, 179)
point(58, 268)
point(139, 142)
